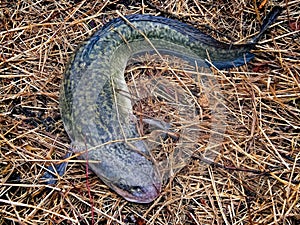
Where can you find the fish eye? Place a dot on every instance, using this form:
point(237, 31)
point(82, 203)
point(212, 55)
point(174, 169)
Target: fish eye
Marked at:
point(136, 190)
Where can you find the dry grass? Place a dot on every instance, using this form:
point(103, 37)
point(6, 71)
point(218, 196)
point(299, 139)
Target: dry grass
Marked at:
point(261, 148)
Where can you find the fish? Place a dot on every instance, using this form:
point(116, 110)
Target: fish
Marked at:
point(97, 117)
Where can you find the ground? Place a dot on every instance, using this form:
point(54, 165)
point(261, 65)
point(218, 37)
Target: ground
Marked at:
point(255, 175)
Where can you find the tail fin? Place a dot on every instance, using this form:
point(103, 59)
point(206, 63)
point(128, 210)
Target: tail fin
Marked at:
point(268, 20)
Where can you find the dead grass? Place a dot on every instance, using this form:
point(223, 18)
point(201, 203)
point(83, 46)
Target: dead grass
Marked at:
point(260, 151)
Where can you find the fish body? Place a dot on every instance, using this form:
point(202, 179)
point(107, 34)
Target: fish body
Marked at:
point(97, 117)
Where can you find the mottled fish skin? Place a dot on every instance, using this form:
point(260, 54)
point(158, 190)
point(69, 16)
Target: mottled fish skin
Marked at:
point(97, 117)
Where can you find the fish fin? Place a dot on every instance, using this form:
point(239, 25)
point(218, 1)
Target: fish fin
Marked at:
point(235, 63)
point(50, 176)
point(268, 20)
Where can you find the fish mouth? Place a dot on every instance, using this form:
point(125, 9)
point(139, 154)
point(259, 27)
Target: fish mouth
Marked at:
point(148, 193)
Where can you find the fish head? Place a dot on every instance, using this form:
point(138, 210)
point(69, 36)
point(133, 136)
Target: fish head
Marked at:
point(131, 173)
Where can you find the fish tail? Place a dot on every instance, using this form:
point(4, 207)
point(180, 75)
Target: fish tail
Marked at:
point(268, 20)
